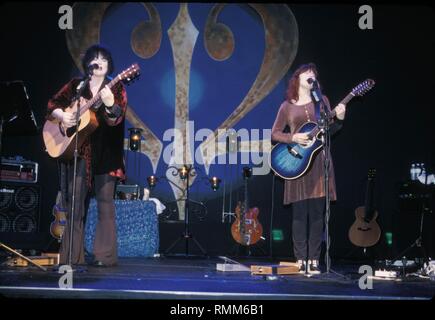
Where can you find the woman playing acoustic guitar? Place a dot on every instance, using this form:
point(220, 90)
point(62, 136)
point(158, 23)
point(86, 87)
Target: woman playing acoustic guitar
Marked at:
point(100, 160)
point(306, 193)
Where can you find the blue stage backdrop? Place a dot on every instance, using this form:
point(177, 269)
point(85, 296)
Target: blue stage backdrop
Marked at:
point(215, 87)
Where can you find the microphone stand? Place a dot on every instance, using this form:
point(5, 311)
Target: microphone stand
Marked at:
point(419, 241)
point(326, 139)
point(76, 98)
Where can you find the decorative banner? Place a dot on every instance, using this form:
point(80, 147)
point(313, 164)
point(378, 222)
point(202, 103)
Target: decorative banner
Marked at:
point(181, 80)
point(281, 46)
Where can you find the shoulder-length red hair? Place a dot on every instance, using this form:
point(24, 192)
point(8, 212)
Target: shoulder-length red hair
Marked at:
point(292, 92)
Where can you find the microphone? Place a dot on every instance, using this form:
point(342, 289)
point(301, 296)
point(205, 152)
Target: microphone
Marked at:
point(314, 82)
point(80, 86)
point(315, 91)
point(93, 66)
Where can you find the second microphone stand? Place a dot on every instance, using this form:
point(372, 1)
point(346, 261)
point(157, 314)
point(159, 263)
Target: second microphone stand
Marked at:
point(326, 139)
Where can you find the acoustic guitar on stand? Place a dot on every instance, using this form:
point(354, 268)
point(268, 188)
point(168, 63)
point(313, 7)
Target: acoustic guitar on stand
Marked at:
point(365, 231)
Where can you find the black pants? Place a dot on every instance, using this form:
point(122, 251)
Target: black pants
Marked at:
point(308, 228)
point(105, 242)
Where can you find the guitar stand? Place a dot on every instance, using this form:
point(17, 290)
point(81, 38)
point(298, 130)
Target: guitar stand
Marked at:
point(236, 248)
point(186, 236)
point(22, 256)
point(367, 254)
point(417, 243)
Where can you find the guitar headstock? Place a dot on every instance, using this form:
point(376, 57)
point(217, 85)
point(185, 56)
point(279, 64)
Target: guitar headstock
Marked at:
point(363, 87)
point(371, 174)
point(130, 73)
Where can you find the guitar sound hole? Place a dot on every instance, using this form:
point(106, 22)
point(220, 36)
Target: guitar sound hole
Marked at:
point(71, 130)
point(364, 229)
point(62, 131)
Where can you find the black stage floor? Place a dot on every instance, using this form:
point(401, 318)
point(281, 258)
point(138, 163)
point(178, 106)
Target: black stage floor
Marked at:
point(197, 278)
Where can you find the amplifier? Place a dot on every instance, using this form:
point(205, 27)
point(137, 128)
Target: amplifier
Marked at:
point(17, 169)
point(20, 206)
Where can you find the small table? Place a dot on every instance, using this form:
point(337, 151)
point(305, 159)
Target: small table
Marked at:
point(137, 227)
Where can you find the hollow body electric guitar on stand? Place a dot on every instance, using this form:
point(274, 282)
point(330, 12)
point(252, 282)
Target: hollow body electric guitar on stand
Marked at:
point(365, 231)
point(59, 140)
point(60, 213)
point(291, 161)
point(246, 229)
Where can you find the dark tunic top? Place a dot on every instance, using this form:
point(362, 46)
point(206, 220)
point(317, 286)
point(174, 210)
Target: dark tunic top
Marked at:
point(103, 150)
point(311, 184)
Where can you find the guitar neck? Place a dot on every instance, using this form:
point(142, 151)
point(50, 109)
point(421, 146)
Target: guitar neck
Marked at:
point(331, 115)
point(97, 97)
point(370, 195)
point(369, 203)
point(344, 101)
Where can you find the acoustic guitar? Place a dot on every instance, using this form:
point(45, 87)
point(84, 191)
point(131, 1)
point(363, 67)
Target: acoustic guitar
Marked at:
point(59, 141)
point(365, 231)
point(291, 161)
point(246, 229)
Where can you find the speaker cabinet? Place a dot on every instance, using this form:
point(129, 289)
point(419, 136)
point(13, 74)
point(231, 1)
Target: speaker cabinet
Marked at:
point(20, 208)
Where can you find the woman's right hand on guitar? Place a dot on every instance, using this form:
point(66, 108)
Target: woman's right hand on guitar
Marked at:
point(68, 119)
point(301, 138)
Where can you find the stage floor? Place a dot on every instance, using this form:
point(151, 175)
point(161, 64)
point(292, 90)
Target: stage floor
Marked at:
point(197, 278)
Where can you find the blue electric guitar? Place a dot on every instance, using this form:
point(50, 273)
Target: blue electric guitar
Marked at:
point(291, 161)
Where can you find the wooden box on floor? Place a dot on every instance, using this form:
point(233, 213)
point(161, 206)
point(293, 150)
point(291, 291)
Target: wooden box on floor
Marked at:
point(40, 260)
point(281, 269)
